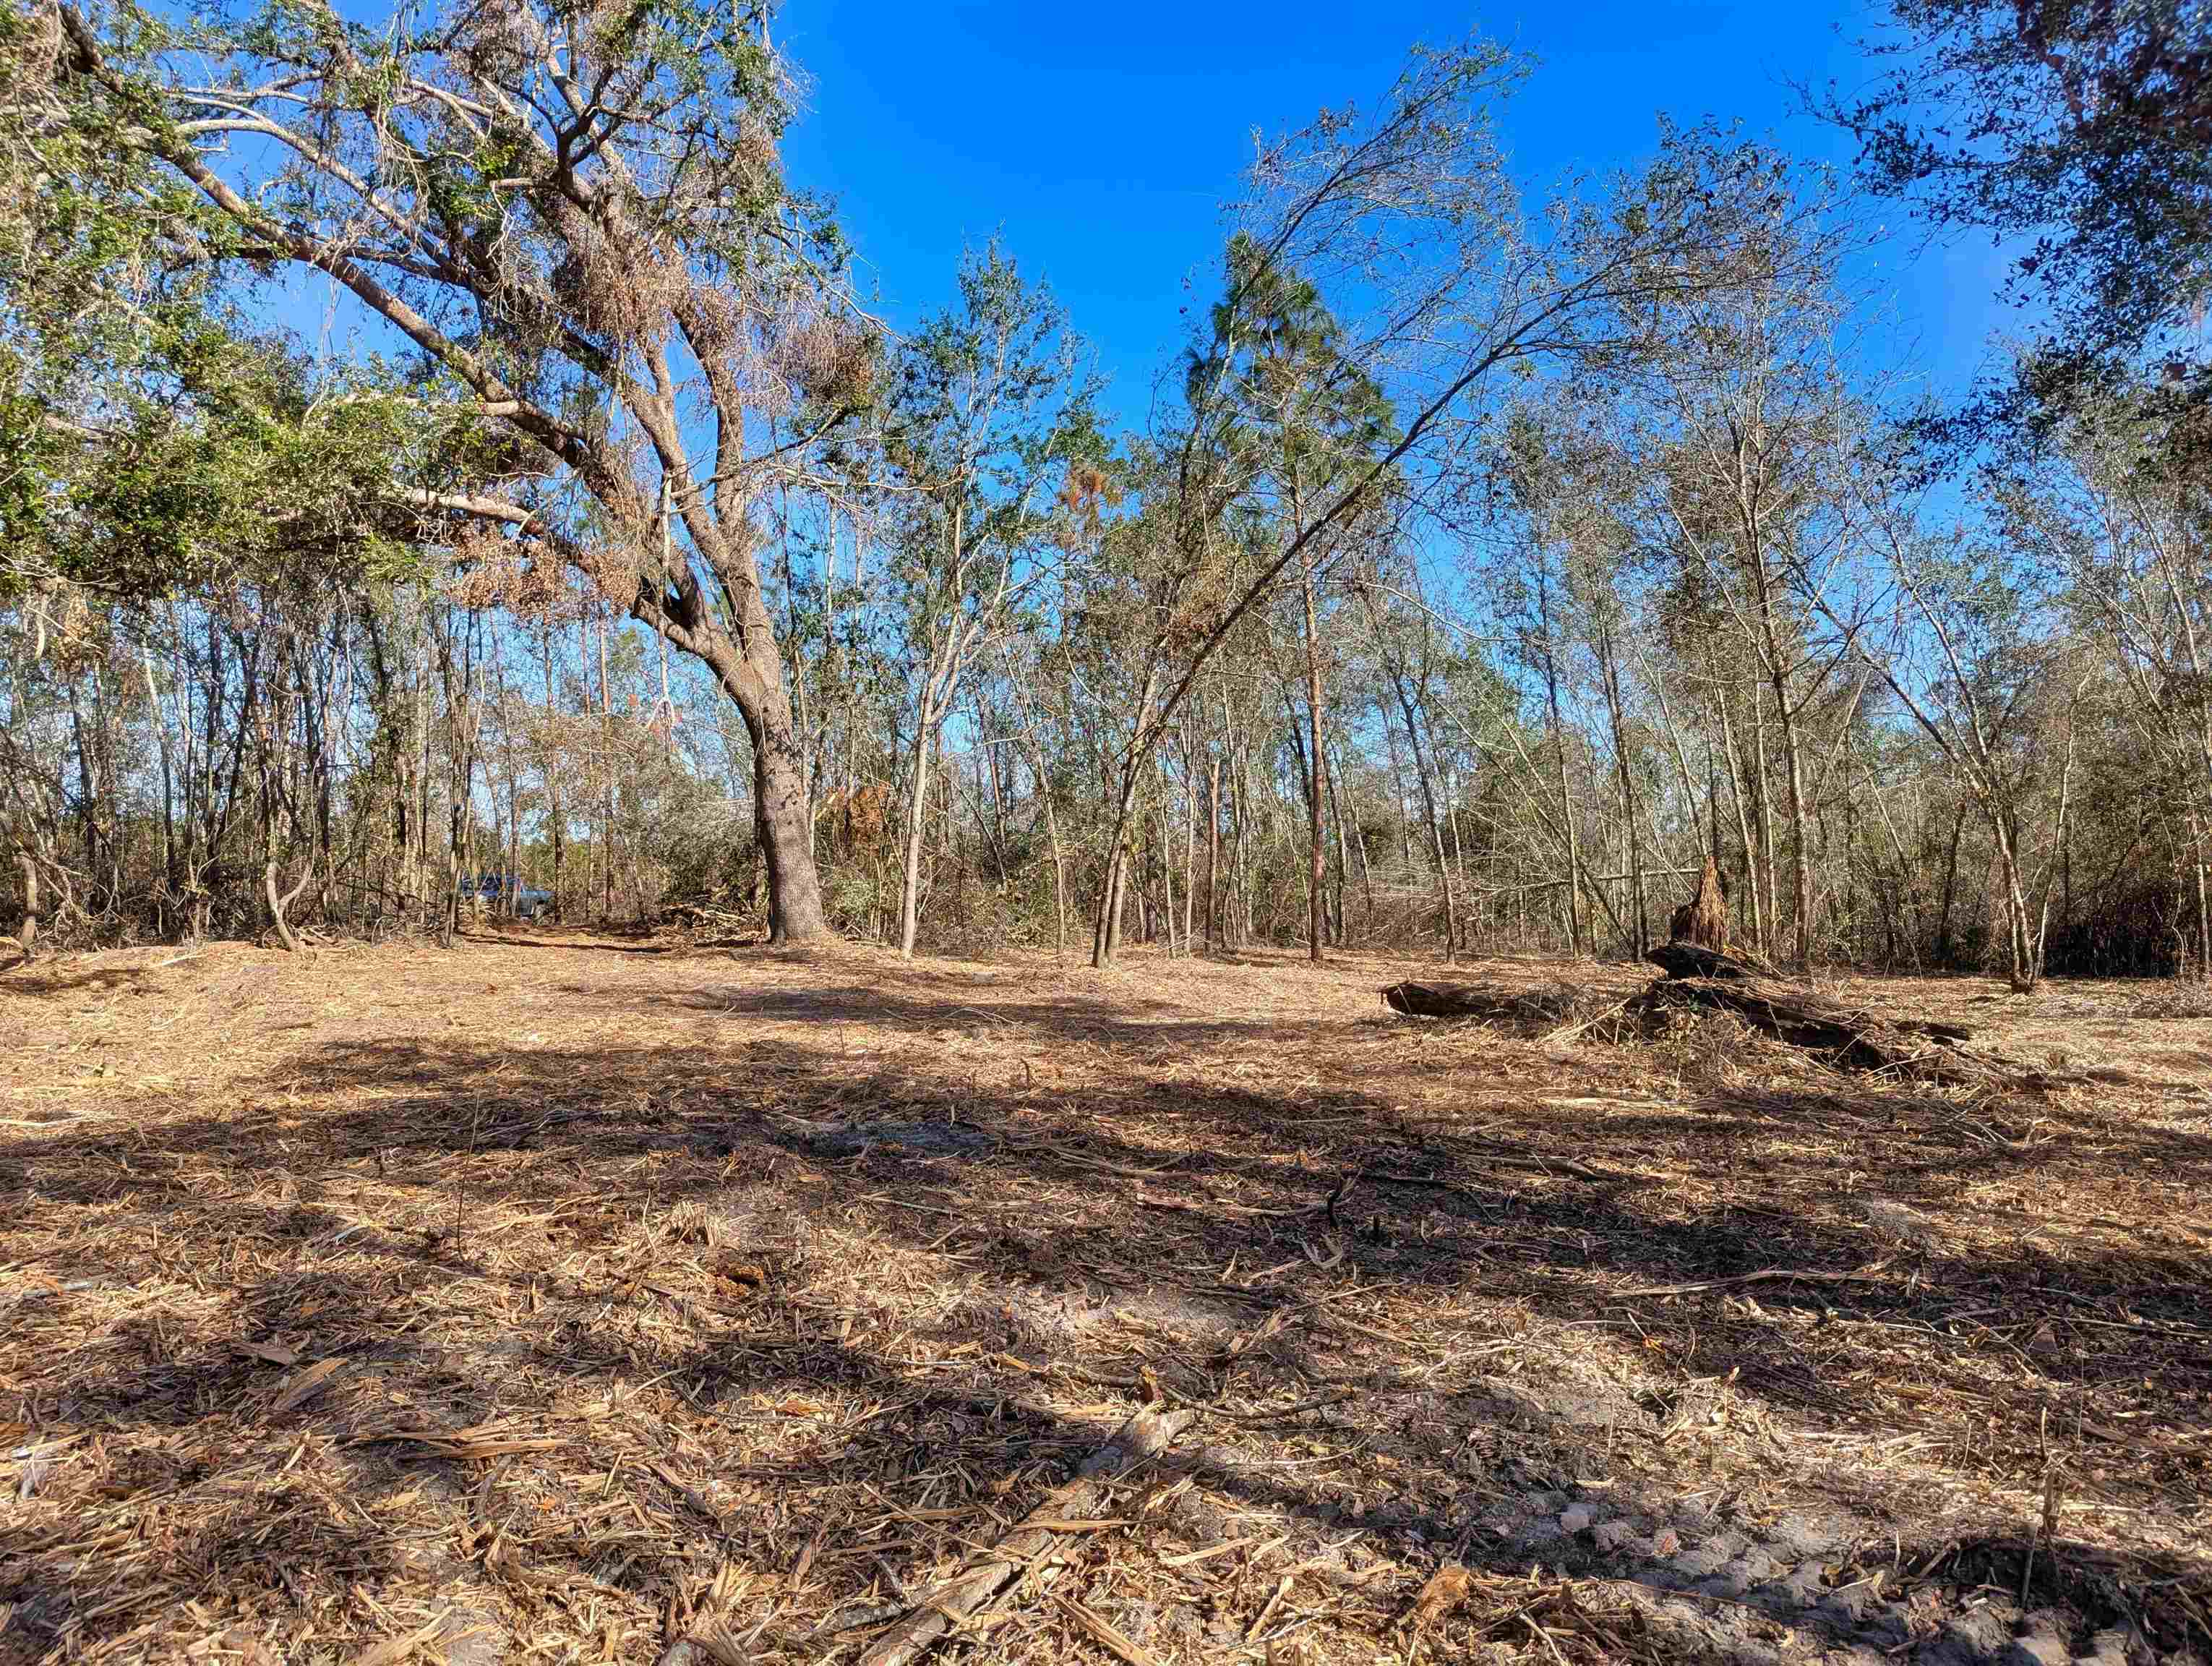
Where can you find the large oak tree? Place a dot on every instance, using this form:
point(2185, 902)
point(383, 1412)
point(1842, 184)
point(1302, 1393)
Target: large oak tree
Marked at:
point(574, 216)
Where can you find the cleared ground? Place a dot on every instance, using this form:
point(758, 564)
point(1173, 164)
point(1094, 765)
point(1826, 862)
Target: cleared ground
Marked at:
point(555, 1297)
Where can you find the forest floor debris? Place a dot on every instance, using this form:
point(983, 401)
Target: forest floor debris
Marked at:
point(570, 1296)
point(1699, 980)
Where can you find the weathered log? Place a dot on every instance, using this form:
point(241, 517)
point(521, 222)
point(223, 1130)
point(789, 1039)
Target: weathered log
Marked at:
point(1847, 1037)
point(1682, 958)
point(1436, 1000)
point(1800, 1004)
point(1479, 1001)
point(1542, 1010)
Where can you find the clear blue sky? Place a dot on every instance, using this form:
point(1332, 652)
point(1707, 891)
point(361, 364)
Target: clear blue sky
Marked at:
point(1100, 141)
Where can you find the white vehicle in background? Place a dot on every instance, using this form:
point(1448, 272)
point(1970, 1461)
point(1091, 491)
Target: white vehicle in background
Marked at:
point(502, 893)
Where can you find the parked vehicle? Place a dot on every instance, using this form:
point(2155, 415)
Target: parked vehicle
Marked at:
point(506, 893)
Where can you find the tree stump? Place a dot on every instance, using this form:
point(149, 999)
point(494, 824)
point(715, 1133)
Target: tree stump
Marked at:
point(28, 938)
point(1704, 919)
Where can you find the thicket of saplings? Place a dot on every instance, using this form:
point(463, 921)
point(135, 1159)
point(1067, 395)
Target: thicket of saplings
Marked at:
point(1473, 580)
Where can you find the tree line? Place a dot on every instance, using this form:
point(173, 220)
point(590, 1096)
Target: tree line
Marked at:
point(1479, 574)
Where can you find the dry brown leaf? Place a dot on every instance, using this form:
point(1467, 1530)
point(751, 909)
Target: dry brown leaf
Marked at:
point(1448, 1587)
point(740, 1272)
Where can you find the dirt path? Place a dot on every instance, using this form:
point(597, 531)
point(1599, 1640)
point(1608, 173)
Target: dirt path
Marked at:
point(559, 1297)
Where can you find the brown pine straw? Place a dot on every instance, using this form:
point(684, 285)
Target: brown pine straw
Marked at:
point(563, 1297)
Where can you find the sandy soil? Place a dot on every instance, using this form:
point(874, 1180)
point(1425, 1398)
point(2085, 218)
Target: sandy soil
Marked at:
point(558, 1297)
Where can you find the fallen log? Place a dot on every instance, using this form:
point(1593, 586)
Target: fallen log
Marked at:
point(1846, 1037)
point(1682, 958)
point(1540, 1008)
point(1697, 976)
point(1785, 1002)
point(1144, 1437)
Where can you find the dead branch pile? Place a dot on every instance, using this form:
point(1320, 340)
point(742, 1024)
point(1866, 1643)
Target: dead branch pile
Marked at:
point(1849, 1038)
point(2170, 998)
point(710, 921)
point(1701, 978)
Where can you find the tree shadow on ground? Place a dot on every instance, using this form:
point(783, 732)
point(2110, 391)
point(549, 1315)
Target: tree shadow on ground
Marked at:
point(1442, 1338)
point(39, 980)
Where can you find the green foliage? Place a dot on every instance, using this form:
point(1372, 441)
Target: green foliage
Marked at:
point(150, 441)
point(2084, 130)
point(1284, 392)
point(991, 426)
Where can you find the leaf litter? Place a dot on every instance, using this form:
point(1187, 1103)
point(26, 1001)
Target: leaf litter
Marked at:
point(591, 1299)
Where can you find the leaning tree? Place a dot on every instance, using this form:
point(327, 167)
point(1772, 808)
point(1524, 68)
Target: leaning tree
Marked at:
point(1404, 220)
point(574, 217)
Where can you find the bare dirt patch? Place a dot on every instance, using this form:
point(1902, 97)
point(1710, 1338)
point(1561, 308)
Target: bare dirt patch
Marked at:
point(563, 1297)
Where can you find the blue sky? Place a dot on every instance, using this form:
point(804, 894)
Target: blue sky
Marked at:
point(1099, 142)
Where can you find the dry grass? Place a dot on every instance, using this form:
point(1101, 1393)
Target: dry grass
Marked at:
point(557, 1296)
